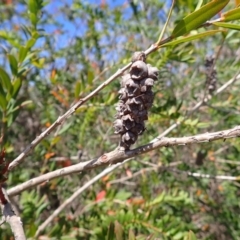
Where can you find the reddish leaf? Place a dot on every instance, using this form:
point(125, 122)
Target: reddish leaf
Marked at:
point(66, 163)
point(49, 155)
point(101, 195)
point(136, 201)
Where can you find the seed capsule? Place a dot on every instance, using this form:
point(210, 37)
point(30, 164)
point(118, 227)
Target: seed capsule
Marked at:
point(139, 70)
point(136, 97)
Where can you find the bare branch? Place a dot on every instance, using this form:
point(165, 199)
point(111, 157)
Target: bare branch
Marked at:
point(202, 175)
point(117, 156)
point(62, 118)
point(87, 185)
point(75, 195)
point(199, 104)
point(72, 110)
point(10, 217)
point(145, 170)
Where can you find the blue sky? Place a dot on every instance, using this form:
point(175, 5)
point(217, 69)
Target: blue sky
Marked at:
point(70, 30)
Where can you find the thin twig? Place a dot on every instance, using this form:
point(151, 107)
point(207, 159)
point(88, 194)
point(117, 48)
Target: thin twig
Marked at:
point(227, 161)
point(75, 195)
point(117, 156)
point(202, 175)
point(145, 170)
point(142, 171)
point(12, 219)
point(88, 184)
point(199, 104)
point(72, 110)
point(166, 23)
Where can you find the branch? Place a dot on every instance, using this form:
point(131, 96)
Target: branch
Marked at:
point(201, 103)
point(75, 195)
point(80, 102)
point(10, 217)
point(202, 175)
point(87, 185)
point(117, 156)
point(143, 171)
point(73, 109)
point(57, 173)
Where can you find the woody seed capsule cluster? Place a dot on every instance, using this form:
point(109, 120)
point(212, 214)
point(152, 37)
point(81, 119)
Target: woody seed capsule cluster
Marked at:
point(136, 98)
point(211, 75)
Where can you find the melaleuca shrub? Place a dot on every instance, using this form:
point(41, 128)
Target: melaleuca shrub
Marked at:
point(136, 98)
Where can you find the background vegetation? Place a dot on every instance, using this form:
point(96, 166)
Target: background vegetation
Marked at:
point(55, 53)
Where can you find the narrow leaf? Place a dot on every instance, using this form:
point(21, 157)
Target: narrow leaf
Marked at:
point(227, 25)
point(13, 64)
point(34, 19)
point(35, 35)
point(200, 2)
point(3, 102)
point(191, 236)
point(5, 80)
point(231, 15)
point(131, 235)
point(191, 37)
point(166, 23)
point(77, 89)
point(32, 6)
point(65, 128)
point(22, 54)
point(3, 35)
point(16, 87)
point(118, 231)
point(110, 235)
point(195, 19)
point(30, 42)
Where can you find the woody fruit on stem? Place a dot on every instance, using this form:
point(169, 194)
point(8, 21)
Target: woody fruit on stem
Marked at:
point(136, 98)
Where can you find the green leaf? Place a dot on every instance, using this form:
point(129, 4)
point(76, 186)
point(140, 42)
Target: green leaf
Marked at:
point(32, 6)
point(30, 42)
point(11, 117)
point(13, 64)
point(231, 15)
point(34, 19)
point(45, 3)
point(191, 37)
point(203, 125)
point(191, 236)
point(157, 200)
point(110, 235)
point(227, 25)
point(77, 89)
point(5, 80)
point(16, 87)
point(200, 2)
point(3, 102)
point(195, 19)
point(3, 34)
point(14, 106)
point(131, 235)
point(123, 195)
point(22, 54)
point(65, 128)
point(40, 209)
point(90, 76)
point(35, 35)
